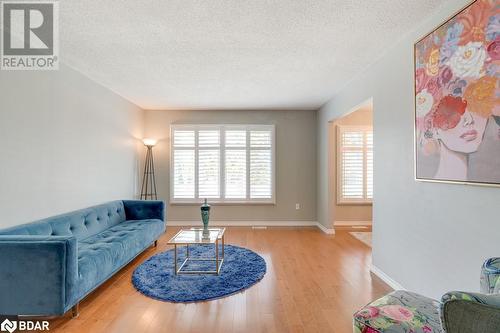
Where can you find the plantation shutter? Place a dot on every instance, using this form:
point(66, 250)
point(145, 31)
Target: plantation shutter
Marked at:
point(260, 164)
point(355, 164)
point(226, 163)
point(209, 163)
point(369, 165)
point(236, 164)
point(184, 164)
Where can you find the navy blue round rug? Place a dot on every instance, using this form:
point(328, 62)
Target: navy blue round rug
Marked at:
point(155, 277)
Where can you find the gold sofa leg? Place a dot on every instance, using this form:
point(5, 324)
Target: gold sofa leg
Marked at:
point(75, 310)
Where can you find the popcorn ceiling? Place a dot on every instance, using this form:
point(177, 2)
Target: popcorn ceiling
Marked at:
point(233, 54)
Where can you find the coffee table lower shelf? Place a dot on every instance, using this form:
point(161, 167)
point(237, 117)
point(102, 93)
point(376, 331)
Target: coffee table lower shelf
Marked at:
point(183, 238)
point(218, 263)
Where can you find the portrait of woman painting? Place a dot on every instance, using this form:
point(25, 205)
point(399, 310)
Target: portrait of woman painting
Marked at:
point(457, 98)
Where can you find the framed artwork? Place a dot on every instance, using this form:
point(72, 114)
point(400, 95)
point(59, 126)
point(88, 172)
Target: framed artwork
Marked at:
point(457, 98)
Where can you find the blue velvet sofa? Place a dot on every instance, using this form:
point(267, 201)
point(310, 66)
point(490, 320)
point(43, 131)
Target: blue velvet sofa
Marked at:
point(48, 266)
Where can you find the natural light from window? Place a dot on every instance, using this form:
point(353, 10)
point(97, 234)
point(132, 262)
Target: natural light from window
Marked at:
point(222, 163)
point(355, 164)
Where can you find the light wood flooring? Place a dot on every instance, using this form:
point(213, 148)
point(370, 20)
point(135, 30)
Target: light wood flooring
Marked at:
point(314, 283)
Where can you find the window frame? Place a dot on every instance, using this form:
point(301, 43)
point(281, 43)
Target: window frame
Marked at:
point(222, 167)
point(339, 159)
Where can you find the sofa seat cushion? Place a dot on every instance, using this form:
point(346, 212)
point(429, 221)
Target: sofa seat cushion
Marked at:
point(399, 312)
point(99, 256)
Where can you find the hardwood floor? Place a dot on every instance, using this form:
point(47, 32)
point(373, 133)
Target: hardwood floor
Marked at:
point(314, 283)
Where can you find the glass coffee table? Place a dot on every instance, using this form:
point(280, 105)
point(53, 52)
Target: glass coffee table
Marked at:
point(195, 236)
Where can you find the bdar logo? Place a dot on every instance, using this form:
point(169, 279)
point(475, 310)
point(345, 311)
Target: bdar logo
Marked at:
point(8, 326)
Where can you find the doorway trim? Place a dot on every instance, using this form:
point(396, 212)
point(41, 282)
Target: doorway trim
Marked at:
point(332, 150)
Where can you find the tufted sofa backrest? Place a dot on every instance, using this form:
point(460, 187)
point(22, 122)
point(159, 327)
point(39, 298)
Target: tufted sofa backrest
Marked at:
point(81, 223)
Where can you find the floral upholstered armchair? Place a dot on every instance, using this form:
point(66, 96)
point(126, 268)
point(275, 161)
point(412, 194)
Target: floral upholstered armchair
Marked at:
point(458, 312)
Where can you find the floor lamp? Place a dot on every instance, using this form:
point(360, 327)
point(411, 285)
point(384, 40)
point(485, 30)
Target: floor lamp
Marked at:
point(148, 190)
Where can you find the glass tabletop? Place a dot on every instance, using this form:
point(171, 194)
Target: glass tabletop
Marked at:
point(195, 236)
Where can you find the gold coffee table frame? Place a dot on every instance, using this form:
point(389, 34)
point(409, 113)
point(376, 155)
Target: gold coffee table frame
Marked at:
point(194, 236)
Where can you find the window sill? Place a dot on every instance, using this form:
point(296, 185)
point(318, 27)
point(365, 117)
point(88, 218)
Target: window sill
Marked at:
point(355, 203)
point(223, 203)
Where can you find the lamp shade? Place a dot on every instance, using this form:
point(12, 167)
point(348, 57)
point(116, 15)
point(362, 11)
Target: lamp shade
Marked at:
point(149, 142)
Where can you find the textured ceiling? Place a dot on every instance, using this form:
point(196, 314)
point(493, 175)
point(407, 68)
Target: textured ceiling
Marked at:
point(230, 54)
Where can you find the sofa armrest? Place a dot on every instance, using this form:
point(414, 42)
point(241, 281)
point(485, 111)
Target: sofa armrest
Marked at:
point(142, 209)
point(488, 299)
point(490, 276)
point(470, 312)
point(38, 274)
point(464, 316)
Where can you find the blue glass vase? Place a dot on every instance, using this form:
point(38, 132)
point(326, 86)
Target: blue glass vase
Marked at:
point(205, 215)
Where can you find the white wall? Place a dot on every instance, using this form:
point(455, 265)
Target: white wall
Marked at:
point(295, 163)
point(65, 143)
point(429, 237)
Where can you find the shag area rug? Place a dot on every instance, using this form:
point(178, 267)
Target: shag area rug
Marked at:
point(241, 269)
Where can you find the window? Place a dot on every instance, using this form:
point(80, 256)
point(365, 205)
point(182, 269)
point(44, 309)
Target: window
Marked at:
point(355, 165)
point(222, 163)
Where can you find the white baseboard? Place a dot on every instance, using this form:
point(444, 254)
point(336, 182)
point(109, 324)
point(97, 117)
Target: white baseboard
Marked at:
point(328, 231)
point(386, 278)
point(241, 223)
point(351, 223)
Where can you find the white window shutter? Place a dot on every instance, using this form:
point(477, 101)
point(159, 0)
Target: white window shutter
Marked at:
point(183, 138)
point(260, 174)
point(236, 138)
point(184, 163)
point(260, 164)
point(184, 169)
point(352, 171)
point(260, 139)
point(369, 165)
point(209, 174)
point(209, 163)
point(209, 138)
point(233, 163)
point(236, 174)
point(355, 165)
point(352, 139)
